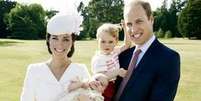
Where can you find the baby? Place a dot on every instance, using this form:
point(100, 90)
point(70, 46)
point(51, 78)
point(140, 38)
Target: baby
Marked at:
point(79, 90)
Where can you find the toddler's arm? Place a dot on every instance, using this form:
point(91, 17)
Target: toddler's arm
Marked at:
point(116, 72)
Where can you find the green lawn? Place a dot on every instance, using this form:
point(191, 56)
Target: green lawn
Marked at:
point(15, 55)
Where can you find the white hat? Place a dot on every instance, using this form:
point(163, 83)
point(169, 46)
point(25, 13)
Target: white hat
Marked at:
point(63, 24)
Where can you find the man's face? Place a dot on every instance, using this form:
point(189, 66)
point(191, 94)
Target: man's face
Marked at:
point(138, 25)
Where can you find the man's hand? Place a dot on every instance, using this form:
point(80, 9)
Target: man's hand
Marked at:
point(122, 72)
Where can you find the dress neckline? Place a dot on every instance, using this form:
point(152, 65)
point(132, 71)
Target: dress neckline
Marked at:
point(62, 76)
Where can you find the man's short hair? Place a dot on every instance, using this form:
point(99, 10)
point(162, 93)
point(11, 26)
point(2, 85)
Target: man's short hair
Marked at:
point(145, 5)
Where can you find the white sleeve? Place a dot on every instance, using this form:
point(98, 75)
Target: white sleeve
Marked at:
point(27, 90)
point(98, 65)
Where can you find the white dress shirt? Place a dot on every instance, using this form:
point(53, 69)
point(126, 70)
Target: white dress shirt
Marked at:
point(144, 48)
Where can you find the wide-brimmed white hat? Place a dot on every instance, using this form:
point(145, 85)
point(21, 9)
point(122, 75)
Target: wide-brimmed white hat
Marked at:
point(64, 24)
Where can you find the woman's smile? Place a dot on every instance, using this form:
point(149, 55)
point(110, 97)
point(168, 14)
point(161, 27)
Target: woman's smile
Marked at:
point(59, 50)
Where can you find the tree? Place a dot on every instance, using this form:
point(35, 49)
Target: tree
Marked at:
point(37, 15)
point(51, 13)
point(83, 34)
point(27, 22)
point(98, 12)
point(174, 10)
point(182, 20)
point(161, 18)
point(166, 19)
point(190, 19)
point(5, 7)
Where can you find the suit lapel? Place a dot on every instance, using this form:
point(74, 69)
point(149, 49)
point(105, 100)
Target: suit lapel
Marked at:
point(144, 63)
point(148, 54)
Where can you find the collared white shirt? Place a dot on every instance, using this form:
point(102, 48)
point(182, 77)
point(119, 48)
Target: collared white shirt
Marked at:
point(41, 85)
point(144, 48)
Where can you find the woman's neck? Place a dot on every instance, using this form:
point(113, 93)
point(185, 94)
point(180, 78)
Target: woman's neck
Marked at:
point(58, 66)
point(59, 62)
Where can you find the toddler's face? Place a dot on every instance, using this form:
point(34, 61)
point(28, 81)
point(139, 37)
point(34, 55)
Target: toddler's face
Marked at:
point(107, 43)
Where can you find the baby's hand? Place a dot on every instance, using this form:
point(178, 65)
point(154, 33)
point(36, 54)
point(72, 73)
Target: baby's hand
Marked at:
point(75, 84)
point(102, 78)
point(96, 85)
point(122, 72)
point(99, 82)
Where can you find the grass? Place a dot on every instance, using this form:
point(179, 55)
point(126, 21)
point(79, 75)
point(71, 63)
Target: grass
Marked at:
point(15, 55)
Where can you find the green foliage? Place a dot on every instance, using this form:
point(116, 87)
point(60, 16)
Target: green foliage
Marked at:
point(160, 33)
point(190, 19)
point(98, 12)
point(174, 9)
point(50, 13)
point(161, 15)
point(5, 7)
point(182, 23)
point(166, 19)
point(27, 22)
point(168, 34)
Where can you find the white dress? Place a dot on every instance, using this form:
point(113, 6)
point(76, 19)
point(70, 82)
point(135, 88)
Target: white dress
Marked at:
point(41, 85)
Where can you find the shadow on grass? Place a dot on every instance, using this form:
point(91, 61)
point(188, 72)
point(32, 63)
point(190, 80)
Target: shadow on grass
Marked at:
point(8, 43)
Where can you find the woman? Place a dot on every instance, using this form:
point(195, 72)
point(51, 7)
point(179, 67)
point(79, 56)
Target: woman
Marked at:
point(49, 81)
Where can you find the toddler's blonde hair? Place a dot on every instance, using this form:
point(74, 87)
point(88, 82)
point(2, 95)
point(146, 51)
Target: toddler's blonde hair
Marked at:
point(108, 28)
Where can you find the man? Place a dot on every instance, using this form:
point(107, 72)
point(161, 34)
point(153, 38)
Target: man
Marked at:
point(156, 72)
